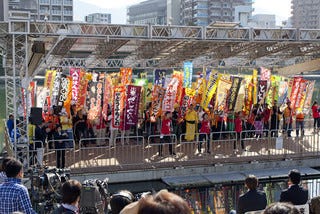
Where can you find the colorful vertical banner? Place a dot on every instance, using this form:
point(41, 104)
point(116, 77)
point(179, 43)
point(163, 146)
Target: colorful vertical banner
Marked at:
point(233, 93)
point(107, 94)
point(265, 74)
point(75, 75)
point(95, 95)
point(210, 90)
point(273, 90)
point(262, 91)
point(179, 76)
point(32, 90)
point(295, 92)
point(126, 76)
point(301, 94)
point(56, 89)
point(188, 71)
point(157, 97)
point(255, 86)
point(48, 82)
point(307, 103)
point(170, 96)
point(222, 92)
point(248, 95)
point(84, 79)
point(118, 104)
point(132, 105)
point(160, 77)
point(199, 88)
point(239, 106)
point(283, 92)
point(64, 93)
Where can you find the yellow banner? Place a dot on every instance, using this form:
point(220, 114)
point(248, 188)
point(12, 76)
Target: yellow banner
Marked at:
point(211, 89)
point(255, 85)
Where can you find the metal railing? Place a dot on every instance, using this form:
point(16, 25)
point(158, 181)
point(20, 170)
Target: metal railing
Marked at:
point(138, 152)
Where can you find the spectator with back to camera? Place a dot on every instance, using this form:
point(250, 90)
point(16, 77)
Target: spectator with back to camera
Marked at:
point(119, 200)
point(160, 203)
point(71, 191)
point(252, 200)
point(13, 195)
point(295, 194)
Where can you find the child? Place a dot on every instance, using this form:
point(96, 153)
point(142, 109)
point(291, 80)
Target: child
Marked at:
point(204, 132)
point(238, 128)
point(165, 133)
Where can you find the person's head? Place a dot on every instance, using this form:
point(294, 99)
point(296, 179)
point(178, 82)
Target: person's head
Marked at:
point(163, 202)
point(205, 116)
point(176, 107)
point(11, 117)
point(4, 163)
point(251, 182)
point(58, 127)
point(119, 200)
point(167, 114)
point(71, 191)
point(315, 103)
point(13, 169)
point(294, 176)
point(191, 107)
point(281, 208)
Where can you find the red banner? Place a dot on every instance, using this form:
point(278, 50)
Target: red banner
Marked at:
point(265, 74)
point(295, 92)
point(75, 75)
point(170, 96)
point(132, 105)
point(95, 92)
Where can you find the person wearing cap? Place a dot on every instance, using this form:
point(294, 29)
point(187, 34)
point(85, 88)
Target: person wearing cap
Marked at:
point(287, 115)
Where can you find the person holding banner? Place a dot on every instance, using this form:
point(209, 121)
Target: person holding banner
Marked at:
point(165, 133)
point(287, 114)
point(299, 122)
point(191, 119)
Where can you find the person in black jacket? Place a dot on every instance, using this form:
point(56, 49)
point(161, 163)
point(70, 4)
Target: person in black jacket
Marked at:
point(252, 200)
point(60, 138)
point(71, 191)
point(294, 194)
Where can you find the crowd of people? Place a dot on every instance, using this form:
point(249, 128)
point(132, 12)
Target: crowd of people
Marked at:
point(14, 197)
point(61, 130)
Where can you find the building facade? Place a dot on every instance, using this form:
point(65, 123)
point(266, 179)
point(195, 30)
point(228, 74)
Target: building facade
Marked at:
point(306, 14)
point(204, 12)
point(102, 18)
point(148, 12)
point(263, 21)
point(40, 10)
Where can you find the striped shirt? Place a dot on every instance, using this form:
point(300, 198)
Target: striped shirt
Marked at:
point(14, 197)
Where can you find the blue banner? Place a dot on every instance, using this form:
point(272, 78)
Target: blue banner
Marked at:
point(160, 77)
point(187, 77)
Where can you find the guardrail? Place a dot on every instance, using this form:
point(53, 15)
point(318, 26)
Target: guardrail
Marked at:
point(138, 152)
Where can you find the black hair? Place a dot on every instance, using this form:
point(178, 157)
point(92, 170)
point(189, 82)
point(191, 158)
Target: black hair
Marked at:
point(70, 190)
point(294, 176)
point(119, 200)
point(13, 168)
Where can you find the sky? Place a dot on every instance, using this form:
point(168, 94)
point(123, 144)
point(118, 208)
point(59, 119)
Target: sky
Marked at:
point(280, 8)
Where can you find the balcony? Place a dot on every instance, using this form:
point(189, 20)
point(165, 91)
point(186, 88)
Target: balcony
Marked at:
point(56, 12)
point(67, 12)
point(56, 2)
point(44, 2)
point(201, 15)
